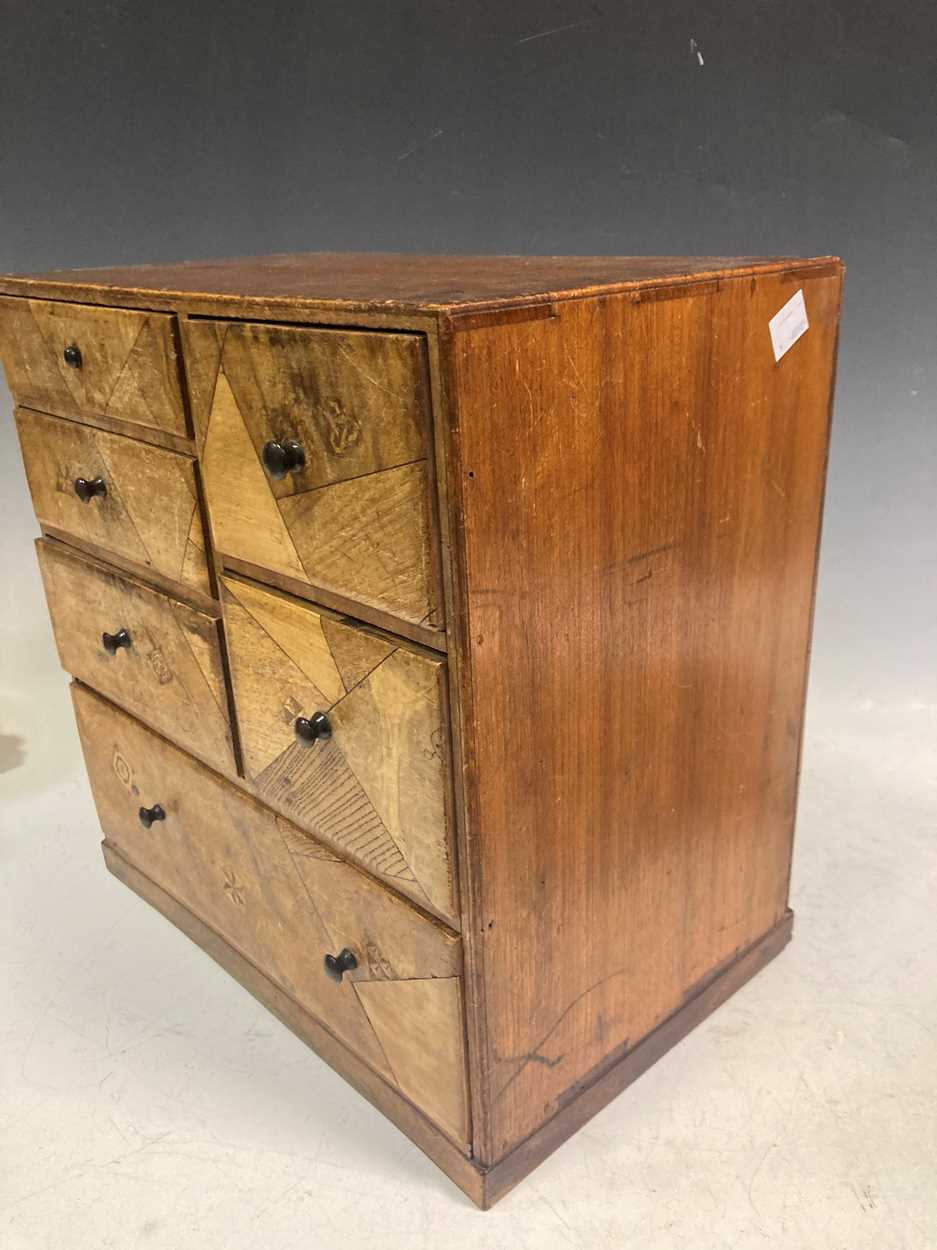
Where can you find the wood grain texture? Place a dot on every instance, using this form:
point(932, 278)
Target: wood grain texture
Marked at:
point(621, 1070)
point(356, 520)
point(434, 639)
point(383, 282)
point(171, 675)
point(183, 591)
point(285, 901)
point(423, 1018)
point(355, 400)
point(150, 513)
point(376, 790)
point(634, 587)
point(129, 364)
point(484, 1186)
point(386, 1098)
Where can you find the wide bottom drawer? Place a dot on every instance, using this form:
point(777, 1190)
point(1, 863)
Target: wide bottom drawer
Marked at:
point(382, 977)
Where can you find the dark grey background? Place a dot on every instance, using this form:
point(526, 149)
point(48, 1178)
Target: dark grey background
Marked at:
point(141, 132)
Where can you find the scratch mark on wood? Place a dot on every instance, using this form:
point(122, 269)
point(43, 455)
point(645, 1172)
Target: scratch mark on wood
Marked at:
point(651, 551)
point(778, 487)
point(534, 1054)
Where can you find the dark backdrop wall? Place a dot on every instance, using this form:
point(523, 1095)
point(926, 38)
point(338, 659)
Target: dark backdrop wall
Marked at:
point(134, 131)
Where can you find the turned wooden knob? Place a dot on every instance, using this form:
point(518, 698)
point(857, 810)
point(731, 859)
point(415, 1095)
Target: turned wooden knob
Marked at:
point(282, 458)
point(337, 965)
point(72, 356)
point(86, 489)
point(149, 814)
point(316, 728)
point(113, 642)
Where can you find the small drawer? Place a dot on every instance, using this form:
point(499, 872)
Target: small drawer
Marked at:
point(343, 729)
point(158, 658)
point(384, 979)
point(76, 360)
point(127, 497)
point(314, 449)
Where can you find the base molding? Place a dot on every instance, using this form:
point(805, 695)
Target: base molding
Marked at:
point(389, 1102)
point(485, 1186)
point(597, 1091)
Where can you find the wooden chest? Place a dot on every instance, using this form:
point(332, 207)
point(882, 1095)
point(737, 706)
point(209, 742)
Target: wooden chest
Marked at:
point(439, 632)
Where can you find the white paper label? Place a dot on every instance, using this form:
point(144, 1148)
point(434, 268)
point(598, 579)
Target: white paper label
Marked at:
point(788, 325)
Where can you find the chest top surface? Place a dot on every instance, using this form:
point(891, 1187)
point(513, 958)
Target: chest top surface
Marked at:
point(388, 282)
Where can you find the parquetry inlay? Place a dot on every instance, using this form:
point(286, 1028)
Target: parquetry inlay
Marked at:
point(376, 789)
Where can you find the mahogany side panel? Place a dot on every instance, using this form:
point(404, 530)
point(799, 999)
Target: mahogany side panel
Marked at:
point(635, 498)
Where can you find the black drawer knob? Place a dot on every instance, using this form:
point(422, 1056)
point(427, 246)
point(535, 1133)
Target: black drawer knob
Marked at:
point(114, 642)
point(72, 356)
point(316, 728)
point(282, 458)
point(86, 490)
point(337, 965)
point(149, 814)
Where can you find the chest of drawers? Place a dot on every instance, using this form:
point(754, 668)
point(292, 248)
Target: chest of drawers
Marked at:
point(439, 632)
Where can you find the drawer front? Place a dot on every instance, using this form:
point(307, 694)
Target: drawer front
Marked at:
point(377, 787)
point(79, 361)
point(164, 662)
point(354, 517)
point(127, 497)
point(285, 902)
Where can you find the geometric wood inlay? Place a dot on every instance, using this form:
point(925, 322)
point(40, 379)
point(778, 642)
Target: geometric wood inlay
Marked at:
point(129, 367)
point(149, 513)
point(403, 1014)
point(318, 789)
point(377, 788)
point(276, 896)
point(355, 519)
point(171, 673)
